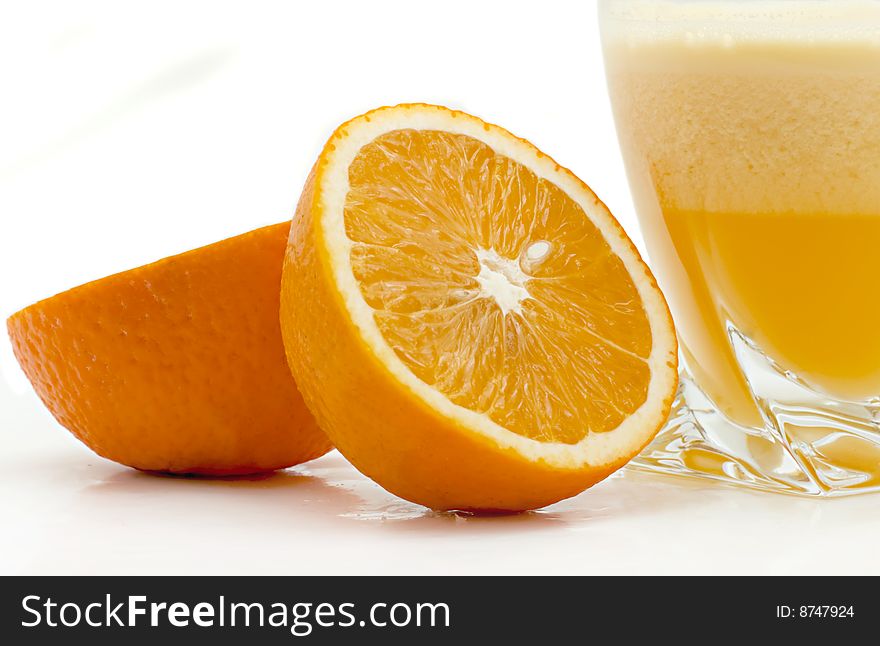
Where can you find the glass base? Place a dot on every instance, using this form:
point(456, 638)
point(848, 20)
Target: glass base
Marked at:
point(810, 445)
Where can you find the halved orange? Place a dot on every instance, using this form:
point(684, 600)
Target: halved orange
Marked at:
point(467, 321)
point(177, 366)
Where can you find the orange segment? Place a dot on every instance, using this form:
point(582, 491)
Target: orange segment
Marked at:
point(176, 366)
point(467, 321)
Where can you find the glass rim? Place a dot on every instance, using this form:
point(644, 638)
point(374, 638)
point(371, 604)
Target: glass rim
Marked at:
point(745, 19)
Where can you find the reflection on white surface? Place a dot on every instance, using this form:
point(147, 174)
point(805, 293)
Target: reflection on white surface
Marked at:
point(66, 510)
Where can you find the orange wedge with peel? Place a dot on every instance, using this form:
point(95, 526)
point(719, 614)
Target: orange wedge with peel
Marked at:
point(468, 323)
point(176, 366)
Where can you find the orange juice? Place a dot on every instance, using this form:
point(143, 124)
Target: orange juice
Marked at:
point(753, 153)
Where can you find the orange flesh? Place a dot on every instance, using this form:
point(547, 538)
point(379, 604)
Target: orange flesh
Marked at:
point(493, 286)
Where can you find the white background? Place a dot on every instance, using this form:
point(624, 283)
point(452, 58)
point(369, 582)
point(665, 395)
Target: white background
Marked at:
point(131, 131)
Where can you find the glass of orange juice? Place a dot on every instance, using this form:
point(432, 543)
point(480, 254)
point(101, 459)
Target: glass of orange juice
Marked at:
point(750, 130)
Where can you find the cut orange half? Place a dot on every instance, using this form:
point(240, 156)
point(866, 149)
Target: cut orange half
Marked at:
point(176, 366)
point(469, 324)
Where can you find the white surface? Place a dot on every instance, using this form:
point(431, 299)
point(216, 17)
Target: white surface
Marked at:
point(67, 511)
point(129, 134)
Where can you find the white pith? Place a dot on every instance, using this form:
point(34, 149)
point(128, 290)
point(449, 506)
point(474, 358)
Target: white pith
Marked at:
point(500, 282)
